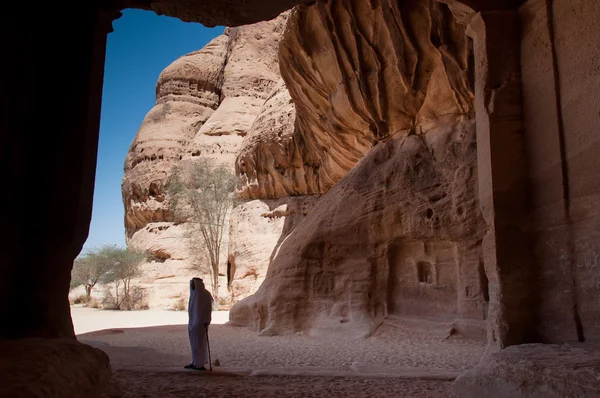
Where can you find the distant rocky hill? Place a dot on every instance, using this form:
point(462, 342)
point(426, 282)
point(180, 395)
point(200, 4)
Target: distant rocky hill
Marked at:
point(206, 103)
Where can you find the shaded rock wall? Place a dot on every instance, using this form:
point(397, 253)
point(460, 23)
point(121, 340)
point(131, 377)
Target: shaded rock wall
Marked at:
point(534, 370)
point(561, 79)
point(216, 12)
point(398, 235)
point(53, 367)
point(579, 84)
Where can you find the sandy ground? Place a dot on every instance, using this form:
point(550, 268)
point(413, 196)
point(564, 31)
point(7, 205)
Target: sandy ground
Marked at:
point(88, 319)
point(147, 359)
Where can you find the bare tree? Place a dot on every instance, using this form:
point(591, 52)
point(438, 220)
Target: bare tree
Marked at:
point(202, 194)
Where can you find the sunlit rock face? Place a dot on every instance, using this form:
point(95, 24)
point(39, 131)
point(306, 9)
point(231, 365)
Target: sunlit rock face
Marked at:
point(206, 102)
point(357, 72)
point(384, 128)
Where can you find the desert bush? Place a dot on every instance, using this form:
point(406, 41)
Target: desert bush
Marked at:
point(109, 302)
point(82, 299)
point(179, 305)
point(223, 302)
point(91, 268)
point(93, 303)
point(121, 295)
point(136, 298)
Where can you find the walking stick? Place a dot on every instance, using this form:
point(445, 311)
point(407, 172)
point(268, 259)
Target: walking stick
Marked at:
point(208, 345)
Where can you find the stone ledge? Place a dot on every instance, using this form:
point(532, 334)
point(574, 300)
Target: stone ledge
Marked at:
point(52, 368)
point(535, 370)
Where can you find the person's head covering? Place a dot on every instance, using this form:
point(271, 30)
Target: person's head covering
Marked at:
point(196, 284)
point(200, 304)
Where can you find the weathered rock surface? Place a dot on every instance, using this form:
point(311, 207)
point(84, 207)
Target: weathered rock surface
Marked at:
point(400, 234)
point(270, 162)
point(187, 94)
point(52, 368)
point(534, 370)
point(258, 228)
point(206, 103)
point(217, 12)
point(357, 72)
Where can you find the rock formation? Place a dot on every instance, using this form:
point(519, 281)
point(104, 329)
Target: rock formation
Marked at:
point(386, 83)
point(216, 12)
point(53, 367)
point(537, 79)
point(346, 81)
point(206, 103)
point(258, 228)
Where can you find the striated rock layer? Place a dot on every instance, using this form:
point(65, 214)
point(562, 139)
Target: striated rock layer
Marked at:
point(400, 235)
point(206, 102)
point(385, 84)
point(357, 72)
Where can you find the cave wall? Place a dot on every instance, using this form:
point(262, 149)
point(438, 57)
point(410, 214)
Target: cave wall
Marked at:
point(355, 256)
point(561, 79)
point(579, 84)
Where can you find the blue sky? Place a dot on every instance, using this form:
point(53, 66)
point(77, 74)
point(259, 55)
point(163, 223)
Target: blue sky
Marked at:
point(140, 47)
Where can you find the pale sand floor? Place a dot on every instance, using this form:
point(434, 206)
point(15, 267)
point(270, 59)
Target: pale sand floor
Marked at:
point(147, 360)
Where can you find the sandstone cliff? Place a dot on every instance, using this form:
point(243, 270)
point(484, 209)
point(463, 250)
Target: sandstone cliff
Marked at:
point(356, 73)
point(258, 228)
point(206, 103)
point(387, 83)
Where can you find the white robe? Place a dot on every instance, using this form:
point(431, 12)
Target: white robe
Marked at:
point(199, 311)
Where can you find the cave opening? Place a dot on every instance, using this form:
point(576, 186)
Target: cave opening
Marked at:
point(127, 212)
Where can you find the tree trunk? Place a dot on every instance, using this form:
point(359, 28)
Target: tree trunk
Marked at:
point(215, 283)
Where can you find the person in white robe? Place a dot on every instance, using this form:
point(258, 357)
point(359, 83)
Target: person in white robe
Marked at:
point(199, 311)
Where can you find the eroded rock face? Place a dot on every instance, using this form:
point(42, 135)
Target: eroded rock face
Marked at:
point(398, 235)
point(187, 94)
point(385, 84)
point(357, 72)
point(258, 228)
point(206, 103)
point(270, 163)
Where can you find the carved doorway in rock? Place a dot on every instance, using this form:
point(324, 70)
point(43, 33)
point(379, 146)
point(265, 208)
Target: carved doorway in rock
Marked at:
point(438, 281)
point(422, 280)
